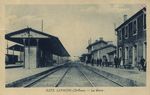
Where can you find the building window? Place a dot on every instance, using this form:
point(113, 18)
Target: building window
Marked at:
point(134, 54)
point(144, 50)
point(130, 28)
point(144, 21)
point(120, 52)
point(135, 27)
point(120, 35)
point(126, 53)
point(126, 31)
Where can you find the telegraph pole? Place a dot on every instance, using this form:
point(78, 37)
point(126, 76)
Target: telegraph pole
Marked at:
point(42, 26)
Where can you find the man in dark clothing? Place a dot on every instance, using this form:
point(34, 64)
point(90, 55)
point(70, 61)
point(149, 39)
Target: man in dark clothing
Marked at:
point(100, 62)
point(106, 62)
point(142, 62)
point(97, 62)
point(116, 61)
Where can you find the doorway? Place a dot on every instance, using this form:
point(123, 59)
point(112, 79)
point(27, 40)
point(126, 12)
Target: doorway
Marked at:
point(134, 55)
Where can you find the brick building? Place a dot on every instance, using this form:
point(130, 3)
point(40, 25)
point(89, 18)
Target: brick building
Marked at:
point(131, 38)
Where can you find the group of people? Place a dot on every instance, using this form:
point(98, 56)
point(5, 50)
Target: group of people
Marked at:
point(118, 63)
point(100, 62)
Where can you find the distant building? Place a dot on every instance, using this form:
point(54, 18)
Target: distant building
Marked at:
point(100, 49)
point(13, 58)
point(131, 38)
point(85, 57)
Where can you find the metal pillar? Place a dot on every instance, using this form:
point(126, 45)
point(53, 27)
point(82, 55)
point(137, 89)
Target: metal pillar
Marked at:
point(24, 52)
point(37, 60)
point(20, 54)
point(29, 49)
point(7, 48)
point(13, 51)
point(13, 55)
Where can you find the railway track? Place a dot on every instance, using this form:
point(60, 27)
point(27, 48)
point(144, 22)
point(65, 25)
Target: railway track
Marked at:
point(103, 76)
point(39, 78)
point(90, 82)
point(59, 82)
point(56, 78)
point(49, 76)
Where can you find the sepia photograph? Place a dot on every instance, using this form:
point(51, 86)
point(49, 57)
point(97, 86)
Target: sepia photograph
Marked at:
point(75, 45)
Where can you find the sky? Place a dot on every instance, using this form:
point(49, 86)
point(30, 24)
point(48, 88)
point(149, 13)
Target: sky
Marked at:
point(73, 24)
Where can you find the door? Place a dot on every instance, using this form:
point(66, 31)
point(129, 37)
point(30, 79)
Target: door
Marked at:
point(126, 55)
point(134, 55)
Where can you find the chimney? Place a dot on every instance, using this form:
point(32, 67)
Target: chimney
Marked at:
point(125, 17)
point(96, 40)
point(101, 38)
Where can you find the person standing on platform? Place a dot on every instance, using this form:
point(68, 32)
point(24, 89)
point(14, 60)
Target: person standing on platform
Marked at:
point(103, 61)
point(100, 62)
point(116, 61)
point(106, 62)
point(97, 62)
point(142, 62)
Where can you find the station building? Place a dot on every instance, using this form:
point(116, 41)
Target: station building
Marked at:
point(100, 49)
point(38, 47)
point(131, 38)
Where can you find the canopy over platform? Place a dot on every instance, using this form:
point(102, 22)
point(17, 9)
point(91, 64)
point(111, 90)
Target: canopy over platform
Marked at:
point(32, 37)
point(16, 47)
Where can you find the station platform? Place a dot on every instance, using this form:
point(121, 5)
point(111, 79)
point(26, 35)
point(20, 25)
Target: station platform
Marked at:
point(14, 74)
point(132, 74)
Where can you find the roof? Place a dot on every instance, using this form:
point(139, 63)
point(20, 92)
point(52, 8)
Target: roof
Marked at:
point(132, 17)
point(97, 42)
point(110, 45)
point(16, 47)
point(46, 41)
point(25, 30)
